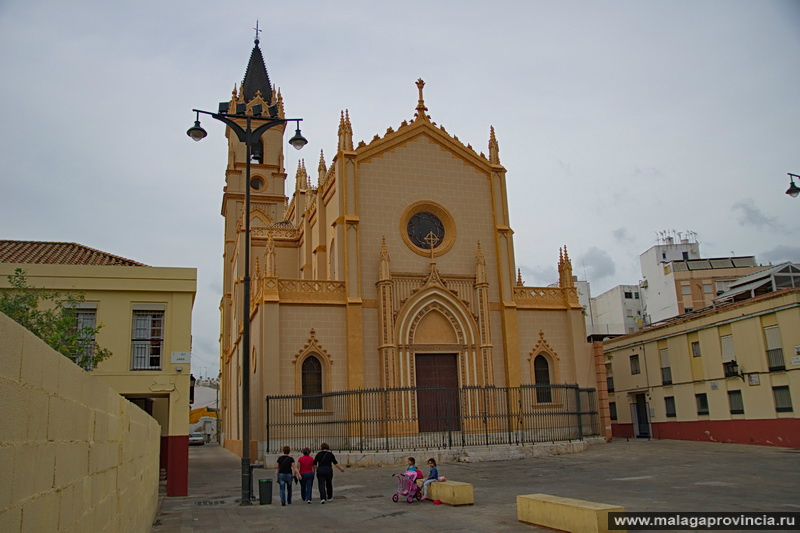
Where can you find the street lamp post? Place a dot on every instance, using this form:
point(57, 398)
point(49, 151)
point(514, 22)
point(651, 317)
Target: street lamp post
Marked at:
point(249, 137)
point(793, 189)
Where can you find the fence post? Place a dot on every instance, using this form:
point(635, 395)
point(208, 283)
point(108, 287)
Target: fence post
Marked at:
point(578, 409)
point(267, 446)
point(361, 421)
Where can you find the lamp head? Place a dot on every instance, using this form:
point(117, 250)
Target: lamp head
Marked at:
point(793, 189)
point(196, 132)
point(298, 141)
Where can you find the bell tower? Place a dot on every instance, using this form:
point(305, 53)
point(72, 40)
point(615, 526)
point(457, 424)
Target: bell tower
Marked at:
point(267, 195)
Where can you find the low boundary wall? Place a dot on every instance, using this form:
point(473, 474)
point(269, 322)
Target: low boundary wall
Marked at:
point(74, 454)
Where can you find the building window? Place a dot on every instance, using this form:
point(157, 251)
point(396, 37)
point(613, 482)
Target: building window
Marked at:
point(686, 289)
point(628, 295)
point(635, 364)
point(669, 404)
point(666, 370)
point(312, 383)
point(541, 373)
point(636, 295)
point(736, 402)
point(610, 383)
point(696, 349)
point(612, 408)
point(702, 403)
point(728, 356)
point(783, 399)
point(775, 360)
point(148, 340)
point(85, 319)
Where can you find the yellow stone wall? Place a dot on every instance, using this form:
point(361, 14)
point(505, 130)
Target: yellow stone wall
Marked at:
point(74, 454)
point(116, 290)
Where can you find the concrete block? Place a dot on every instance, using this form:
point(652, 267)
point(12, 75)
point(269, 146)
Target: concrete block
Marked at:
point(103, 455)
point(11, 518)
point(72, 462)
point(67, 420)
point(565, 514)
point(15, 428)
point(40, 514)
point(71, 381)
point(35, 361)
point(6, 478)
point(452, 492)
point(36, 411)
point(11, 348)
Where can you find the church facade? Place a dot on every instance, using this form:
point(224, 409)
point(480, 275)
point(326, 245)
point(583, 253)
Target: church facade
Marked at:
point(390, 267)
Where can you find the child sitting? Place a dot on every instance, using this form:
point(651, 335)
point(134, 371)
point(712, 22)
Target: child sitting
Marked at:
point(433, 475)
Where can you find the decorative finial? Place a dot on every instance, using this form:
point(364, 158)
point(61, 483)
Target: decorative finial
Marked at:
point(384, 248)
point(420, 114)
point(494, 148)
point(256, 40)
point(519, 277)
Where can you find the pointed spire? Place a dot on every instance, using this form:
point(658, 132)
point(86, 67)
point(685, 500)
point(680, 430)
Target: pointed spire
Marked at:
point(279, 101)
point(256, 77)
point(322, 169)
point(421, 109)
point(300, 177)
point(564, 269)
point(494, 148)
point(345, 132)
point(519, 278)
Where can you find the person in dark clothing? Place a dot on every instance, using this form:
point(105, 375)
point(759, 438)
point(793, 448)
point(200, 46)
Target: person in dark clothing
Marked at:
point(324, 462)
point(287, 469)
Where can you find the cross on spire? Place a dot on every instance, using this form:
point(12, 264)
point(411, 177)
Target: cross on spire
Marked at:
point(257, 32)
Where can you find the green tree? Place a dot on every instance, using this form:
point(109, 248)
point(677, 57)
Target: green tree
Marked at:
point(53, 317)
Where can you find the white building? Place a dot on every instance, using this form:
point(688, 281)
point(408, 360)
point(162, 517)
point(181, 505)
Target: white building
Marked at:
point(676, 280)
point(618, 311)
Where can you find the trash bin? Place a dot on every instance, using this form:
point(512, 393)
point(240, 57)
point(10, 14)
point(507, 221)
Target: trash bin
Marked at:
point(264, 491)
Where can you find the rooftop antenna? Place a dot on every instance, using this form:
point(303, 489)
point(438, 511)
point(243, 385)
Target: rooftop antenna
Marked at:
point(256, 40)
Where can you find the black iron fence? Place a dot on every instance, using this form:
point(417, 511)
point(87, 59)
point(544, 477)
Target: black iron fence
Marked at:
point(372, 420)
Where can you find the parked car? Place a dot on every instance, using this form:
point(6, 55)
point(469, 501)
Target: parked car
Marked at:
point(196, 438)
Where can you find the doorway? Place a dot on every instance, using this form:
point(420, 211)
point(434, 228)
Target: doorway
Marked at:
point(438, 404)
point(641, 420)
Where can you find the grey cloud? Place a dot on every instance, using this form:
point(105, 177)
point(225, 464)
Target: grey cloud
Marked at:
point(598, 264)
point(621, 236)
point(781, 253)
point(750, 215)
point(539, 276)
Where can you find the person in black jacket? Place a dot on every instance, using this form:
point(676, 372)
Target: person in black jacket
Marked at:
point(324, 462)
point(287, 469)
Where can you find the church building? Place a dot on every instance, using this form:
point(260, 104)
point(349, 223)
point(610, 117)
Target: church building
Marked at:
point(390, 267)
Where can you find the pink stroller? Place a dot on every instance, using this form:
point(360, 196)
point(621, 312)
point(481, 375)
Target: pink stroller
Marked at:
point(407, 487)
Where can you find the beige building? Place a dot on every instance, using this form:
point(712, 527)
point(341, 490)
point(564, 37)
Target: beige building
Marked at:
point(393, 266)
point(729, 374)
point(146, 313)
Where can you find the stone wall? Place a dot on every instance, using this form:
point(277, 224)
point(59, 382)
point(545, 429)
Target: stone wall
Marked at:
point(75, 456)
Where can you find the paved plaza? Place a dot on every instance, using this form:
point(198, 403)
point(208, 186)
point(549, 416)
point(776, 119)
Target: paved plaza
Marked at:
point(640, 475)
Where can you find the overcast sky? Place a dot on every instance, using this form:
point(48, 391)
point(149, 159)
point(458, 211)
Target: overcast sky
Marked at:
point(616, 120)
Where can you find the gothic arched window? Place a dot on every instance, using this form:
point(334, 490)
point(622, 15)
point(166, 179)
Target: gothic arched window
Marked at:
point(312, 383)
point(541, 373)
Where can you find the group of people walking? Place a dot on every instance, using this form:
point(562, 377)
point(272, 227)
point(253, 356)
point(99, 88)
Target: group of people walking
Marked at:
point(303, 472)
